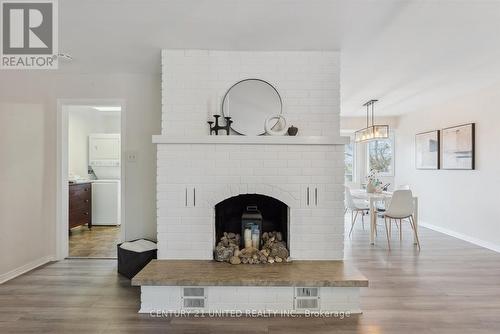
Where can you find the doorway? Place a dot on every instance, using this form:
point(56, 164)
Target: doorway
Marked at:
point(90, 178)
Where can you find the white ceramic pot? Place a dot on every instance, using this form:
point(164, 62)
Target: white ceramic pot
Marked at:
point(272, 122)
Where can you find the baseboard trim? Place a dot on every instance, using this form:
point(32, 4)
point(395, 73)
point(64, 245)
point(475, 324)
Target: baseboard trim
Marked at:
point(475, 241)
point(25, 268)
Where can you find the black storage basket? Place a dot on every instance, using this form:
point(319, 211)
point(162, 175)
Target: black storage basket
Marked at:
point(130, 263)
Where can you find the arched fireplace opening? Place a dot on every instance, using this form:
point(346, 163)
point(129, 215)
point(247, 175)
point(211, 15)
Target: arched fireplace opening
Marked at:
point(250, 222)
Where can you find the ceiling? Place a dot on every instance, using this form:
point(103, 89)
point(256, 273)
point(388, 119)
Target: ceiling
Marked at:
point(408, 54)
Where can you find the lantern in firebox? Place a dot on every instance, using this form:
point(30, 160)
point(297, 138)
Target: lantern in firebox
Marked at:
point(251, 227)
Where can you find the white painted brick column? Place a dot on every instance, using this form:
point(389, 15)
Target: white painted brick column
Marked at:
point(193, 84)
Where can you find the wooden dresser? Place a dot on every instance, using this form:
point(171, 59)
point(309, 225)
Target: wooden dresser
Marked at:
point(80, 204)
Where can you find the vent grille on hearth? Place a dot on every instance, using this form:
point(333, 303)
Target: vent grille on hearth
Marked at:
point(306, 298)
point(193, 298)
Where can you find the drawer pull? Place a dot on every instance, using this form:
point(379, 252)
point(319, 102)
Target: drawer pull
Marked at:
point(86, 201)
point(86, 213)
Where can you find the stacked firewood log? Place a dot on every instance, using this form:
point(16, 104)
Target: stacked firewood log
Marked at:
point(273, 250)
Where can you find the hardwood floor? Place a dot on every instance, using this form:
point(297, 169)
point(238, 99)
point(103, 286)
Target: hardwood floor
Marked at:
point(450, 286)
point(99, 242)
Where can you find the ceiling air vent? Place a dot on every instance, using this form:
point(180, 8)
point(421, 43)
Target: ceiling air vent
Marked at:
point(193, 298)
point(306, 298)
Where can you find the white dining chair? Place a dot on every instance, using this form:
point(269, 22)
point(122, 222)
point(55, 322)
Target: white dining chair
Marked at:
point(355, 207)
point(398, 226)
point(381, 209)
point(400, 208)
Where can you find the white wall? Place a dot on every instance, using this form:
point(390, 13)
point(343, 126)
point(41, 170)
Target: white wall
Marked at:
point(463, 203)
point(195, 81)
point(83, 121)
point(28, 114)
point(24, 207)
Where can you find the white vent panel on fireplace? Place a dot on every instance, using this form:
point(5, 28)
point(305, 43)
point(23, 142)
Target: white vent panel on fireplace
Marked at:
point(306, 298)
point(193, 298)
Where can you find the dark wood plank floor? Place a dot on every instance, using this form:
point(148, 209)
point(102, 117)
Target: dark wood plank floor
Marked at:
point(449, 287)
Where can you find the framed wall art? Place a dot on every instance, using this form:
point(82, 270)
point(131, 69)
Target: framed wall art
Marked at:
point(457, 147)
point(427, 150)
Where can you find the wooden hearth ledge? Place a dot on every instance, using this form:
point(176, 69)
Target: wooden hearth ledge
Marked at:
point(212, 273)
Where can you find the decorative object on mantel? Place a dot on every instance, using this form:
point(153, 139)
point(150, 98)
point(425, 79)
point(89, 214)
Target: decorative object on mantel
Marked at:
point(215, 128)
point(292, 131)
point(458, 147)
point(276, 125)
point(273, 249)
point(250, 102)
point(427, 150)
point(373, 131)
point(374, 183)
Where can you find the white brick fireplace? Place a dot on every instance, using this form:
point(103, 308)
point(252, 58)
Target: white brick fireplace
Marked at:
point(196, 171)
point(193, 178)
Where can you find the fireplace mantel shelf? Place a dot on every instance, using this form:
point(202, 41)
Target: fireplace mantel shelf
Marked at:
point(252, 140)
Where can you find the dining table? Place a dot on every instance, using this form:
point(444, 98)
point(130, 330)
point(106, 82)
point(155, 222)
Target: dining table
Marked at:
point(381, 197)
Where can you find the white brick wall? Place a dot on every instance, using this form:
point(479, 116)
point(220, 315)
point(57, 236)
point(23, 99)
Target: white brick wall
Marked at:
point(193, 85)
point(216, 172)
point(195, 81)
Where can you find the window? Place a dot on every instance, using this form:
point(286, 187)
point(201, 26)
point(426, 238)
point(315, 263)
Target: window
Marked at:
point(349, 162)
point(380, 156)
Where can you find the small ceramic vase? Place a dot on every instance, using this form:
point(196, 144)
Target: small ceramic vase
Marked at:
point(272, 122)
point(292, 131)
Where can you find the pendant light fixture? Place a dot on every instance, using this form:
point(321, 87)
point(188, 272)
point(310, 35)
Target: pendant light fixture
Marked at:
point(373, 131)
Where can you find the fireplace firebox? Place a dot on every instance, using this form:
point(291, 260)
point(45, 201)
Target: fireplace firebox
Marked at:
point(228, 214)
point(248, 223)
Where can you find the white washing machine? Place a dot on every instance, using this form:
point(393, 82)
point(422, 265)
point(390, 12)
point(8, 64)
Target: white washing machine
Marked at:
point(106, 202)
point(104, 158)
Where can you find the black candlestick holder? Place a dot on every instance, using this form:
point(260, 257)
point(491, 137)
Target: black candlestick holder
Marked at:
point(214, 128)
